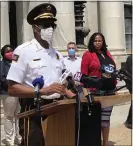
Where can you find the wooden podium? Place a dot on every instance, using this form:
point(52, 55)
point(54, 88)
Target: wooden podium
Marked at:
point(59, 128)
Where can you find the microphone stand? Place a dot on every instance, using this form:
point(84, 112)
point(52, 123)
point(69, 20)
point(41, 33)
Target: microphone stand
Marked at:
point(90, 99)
point(38, 102)
point(78, 117)
point(71, 85)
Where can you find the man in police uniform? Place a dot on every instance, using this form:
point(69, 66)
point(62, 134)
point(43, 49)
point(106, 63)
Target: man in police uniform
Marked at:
point(31, 60)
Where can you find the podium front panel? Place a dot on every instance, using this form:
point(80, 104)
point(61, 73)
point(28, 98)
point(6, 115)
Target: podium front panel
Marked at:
point(59, 128)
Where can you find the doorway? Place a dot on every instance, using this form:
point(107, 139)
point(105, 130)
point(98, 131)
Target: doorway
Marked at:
point(12, 23)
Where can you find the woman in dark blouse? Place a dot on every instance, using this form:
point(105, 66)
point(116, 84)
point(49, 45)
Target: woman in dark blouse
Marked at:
point(91, 64)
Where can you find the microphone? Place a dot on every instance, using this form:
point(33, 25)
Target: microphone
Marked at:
point(66, 75)
point(88, 81)
point(62, 80)
point(38, 83)
point(109, 69)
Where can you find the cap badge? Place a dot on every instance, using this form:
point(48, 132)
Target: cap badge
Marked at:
point(48, 8)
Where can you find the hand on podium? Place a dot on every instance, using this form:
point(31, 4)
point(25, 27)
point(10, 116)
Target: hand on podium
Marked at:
point(70, 94)
point(53, 88)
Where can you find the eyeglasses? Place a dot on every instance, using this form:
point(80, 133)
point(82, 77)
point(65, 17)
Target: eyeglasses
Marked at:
point(44, 26)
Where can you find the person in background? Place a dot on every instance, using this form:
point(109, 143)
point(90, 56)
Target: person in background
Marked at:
point(34, 59)
point(73, 63)
point(92, 61)
point(10, 103)
point(128, 122)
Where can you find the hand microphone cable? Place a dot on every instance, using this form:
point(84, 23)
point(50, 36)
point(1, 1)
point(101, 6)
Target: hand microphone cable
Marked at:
point(66, 76)
point(71, 86)
point(38, 100)
point(78, 117)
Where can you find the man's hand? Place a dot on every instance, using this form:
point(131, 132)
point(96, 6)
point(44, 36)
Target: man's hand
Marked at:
point(77, 83)
point(53, 88)
point(69, 94)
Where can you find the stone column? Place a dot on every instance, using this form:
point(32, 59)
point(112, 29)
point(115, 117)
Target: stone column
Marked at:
point(5, 34)
point(24, 30)
point(91, 18)
point(112, 26)
point(65, 31)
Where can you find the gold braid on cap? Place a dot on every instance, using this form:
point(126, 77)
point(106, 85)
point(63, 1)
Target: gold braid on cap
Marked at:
point(44, 15)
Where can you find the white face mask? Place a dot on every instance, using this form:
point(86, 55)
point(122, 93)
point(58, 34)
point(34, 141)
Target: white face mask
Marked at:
point(47, 34)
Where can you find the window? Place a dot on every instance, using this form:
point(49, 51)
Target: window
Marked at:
point(128, 25)
point(12, 23)
point(79, 7)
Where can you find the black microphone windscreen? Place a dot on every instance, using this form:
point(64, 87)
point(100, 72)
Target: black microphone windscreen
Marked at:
point(63, 71)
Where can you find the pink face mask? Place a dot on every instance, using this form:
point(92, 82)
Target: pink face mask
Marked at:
point(8, 55)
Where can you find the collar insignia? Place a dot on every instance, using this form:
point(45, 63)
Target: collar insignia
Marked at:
point(57, 56)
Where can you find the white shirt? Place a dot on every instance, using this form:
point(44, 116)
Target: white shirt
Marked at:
point(73, 65)
point(33, 61)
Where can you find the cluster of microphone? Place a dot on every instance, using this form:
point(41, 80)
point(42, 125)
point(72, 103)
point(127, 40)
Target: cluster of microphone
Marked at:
point(67, 77)
point(85, 80)
point(88, 81)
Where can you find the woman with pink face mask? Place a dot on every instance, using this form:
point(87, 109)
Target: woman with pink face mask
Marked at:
point(10, 104)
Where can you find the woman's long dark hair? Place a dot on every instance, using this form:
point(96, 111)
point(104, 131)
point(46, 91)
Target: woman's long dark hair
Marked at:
point(91, 47)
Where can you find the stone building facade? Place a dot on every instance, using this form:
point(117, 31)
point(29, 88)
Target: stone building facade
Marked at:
point(113, 19)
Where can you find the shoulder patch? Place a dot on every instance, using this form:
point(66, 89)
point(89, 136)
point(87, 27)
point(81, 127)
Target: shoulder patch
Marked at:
point(15, 57)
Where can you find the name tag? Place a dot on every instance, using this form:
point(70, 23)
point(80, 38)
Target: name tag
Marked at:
point(37, 59)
